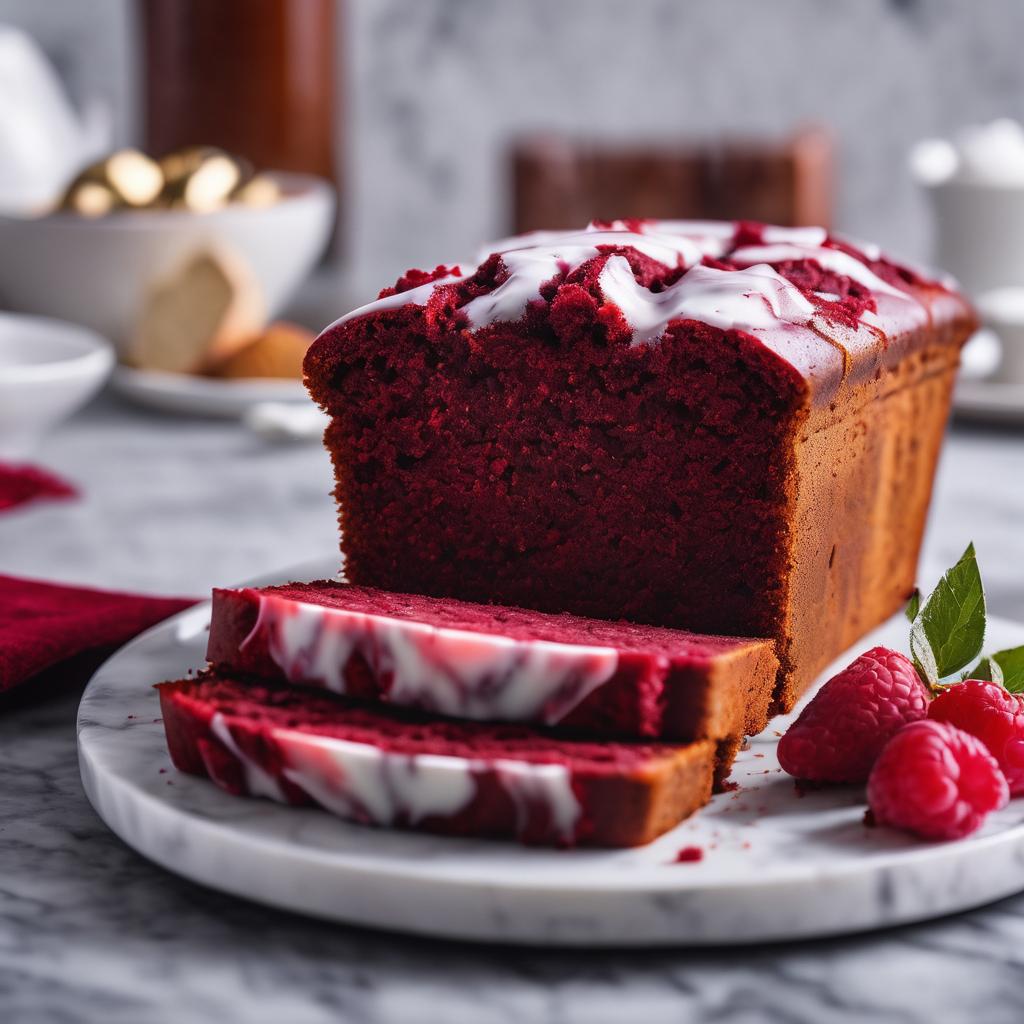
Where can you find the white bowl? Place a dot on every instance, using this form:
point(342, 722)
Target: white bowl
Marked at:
point(48, 369)
point(95, 271)
point(979, 233)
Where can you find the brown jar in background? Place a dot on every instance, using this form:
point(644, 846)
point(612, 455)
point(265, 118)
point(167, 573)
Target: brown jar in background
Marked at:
point(255, 77)
point(562, 182)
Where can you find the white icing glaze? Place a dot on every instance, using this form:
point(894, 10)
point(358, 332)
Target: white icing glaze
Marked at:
point(550, 784)
point(257, 781)
point(418, 296)
point(535, 258)
point(897, 310)
point(361, 782)
point(755, 299)
point(450, 671)
point(835, 260)
point(357, 780)
point(528, 270)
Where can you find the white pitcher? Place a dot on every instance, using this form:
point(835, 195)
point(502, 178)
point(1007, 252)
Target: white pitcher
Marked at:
point(43, 141)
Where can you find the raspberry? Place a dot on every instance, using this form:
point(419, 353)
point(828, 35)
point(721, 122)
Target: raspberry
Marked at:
point(842, 731)
point(936, 780)
point(992, 714)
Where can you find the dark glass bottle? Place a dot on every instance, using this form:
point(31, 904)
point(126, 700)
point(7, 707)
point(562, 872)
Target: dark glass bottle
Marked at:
point(255, 77)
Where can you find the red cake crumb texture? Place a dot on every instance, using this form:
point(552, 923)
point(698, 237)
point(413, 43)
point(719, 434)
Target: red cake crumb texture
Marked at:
point(494, 663)
point(935, 780)
point(662, 422)
point(383, 766)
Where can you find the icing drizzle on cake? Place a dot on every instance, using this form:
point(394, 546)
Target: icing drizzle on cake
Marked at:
point(359, 781)
point(748, 300)
point(439, 669)
point(749, 293)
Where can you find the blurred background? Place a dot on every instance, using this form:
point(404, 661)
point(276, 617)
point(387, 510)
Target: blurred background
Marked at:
point(430, 96)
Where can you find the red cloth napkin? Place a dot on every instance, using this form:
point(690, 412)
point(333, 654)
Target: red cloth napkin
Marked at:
point(19, 484)
point(44, 624)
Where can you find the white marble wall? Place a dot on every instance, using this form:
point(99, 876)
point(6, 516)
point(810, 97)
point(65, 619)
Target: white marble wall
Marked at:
point(440, 87)
point(437, 88)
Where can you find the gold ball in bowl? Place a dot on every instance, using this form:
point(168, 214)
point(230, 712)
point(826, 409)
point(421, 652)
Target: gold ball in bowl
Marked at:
point(89, 199)
point(202, 178)
point(125, 179)
point(258, 191)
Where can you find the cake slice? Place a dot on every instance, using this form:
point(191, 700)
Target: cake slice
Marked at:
point(494, 663)
point(387, 767)
point(728, 428)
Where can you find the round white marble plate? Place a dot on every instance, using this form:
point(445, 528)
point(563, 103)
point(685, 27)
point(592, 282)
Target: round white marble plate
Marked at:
point(775, 866)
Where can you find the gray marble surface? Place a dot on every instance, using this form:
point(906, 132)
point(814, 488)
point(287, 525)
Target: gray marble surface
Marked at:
point(91, 932)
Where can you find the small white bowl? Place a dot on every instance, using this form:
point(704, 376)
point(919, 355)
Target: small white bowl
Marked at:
point(48, 369)
point(96, 271)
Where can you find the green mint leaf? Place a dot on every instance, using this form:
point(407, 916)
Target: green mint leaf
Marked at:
point(995, 671)
point(1011, 665)
point(913, 605)
point(988, 668)
point(949, 630)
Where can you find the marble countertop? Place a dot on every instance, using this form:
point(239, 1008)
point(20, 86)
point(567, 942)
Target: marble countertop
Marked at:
point(91, 932)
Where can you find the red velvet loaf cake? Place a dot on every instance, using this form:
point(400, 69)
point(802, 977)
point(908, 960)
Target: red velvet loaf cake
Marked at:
point(380, 766)
point(728, 428)
point(493, 663)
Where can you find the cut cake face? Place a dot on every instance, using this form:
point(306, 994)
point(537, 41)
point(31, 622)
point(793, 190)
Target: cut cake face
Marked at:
point(726, 428)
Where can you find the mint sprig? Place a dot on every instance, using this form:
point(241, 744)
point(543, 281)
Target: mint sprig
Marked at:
point(1011, 664)
point(988, 669)
point(1005, 667)
point(948, 629)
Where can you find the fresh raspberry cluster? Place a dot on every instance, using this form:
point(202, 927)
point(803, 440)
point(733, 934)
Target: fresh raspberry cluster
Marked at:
point(935, 767)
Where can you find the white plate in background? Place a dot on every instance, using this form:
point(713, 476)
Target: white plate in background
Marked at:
point(989, 401)
point(191, 395)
